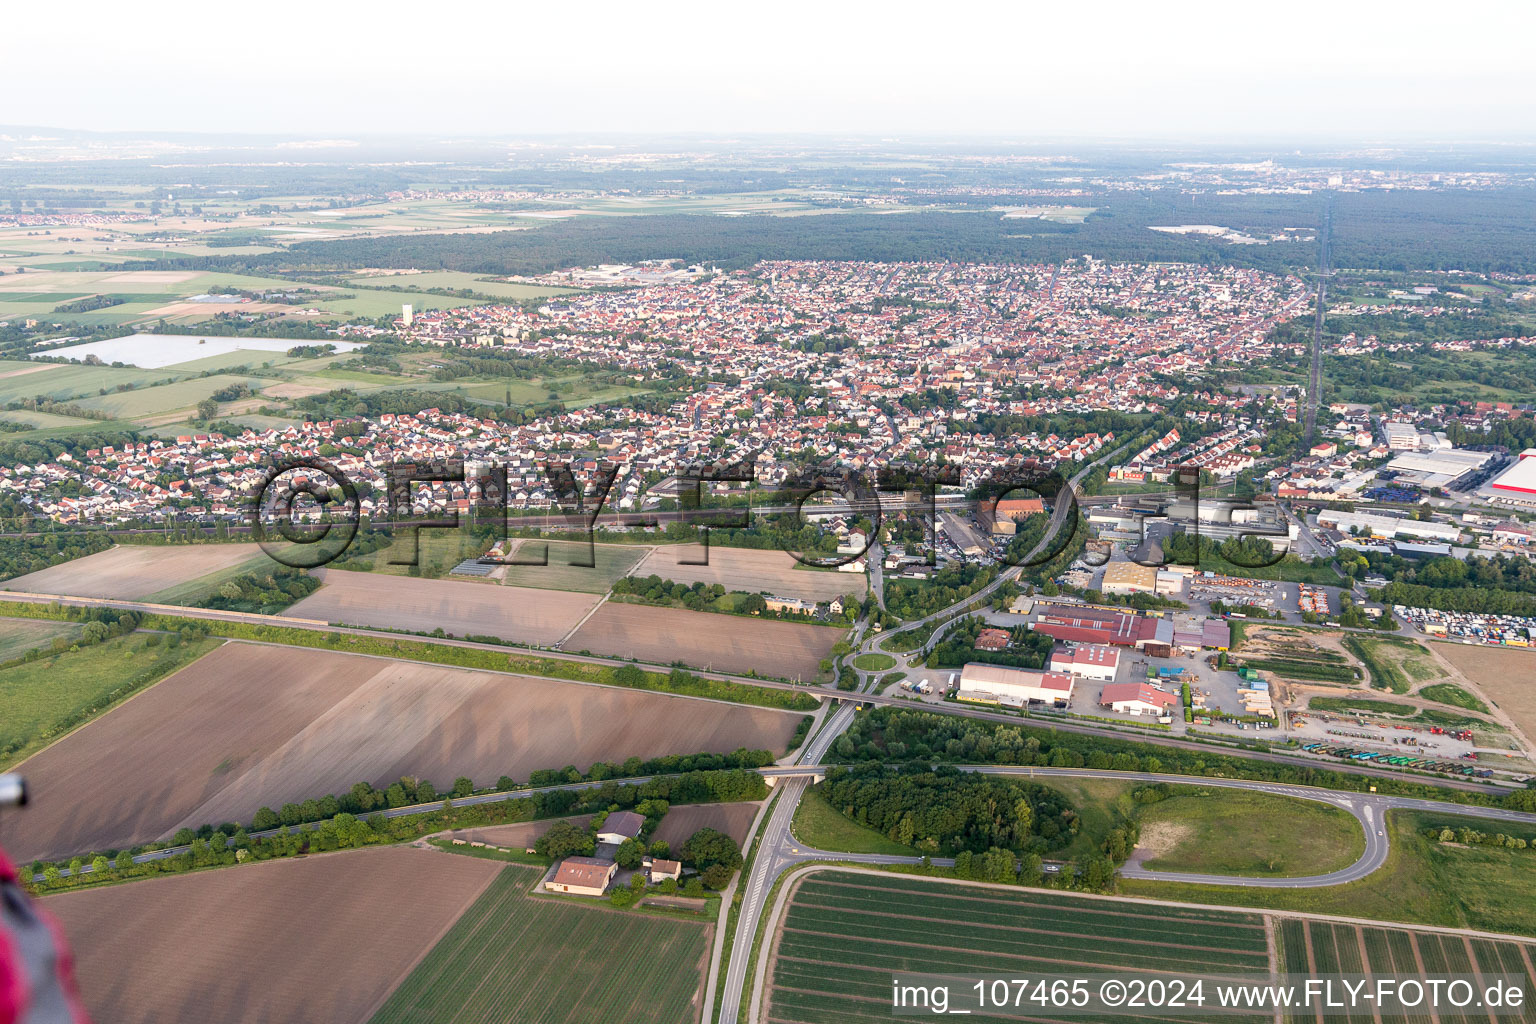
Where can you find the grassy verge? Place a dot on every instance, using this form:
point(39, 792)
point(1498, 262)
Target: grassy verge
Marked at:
point(1345, 705)
point(1490, 888)
point(46, 698)
point(874, 662)
point(820, 825)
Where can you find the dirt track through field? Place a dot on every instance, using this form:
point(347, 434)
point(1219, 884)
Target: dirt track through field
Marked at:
point(707, 640)
point(131, 572)
point(402, 602)
point(251, 726)
point(751, 570)
point(317, 939)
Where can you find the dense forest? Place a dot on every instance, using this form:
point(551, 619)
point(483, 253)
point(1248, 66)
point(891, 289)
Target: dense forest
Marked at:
point(942, 810)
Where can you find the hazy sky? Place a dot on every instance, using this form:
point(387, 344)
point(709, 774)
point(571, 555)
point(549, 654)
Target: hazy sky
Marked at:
point(1016, 70)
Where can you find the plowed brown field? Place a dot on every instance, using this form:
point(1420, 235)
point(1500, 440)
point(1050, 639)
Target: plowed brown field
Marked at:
point(751, 570)
point(721, 643)
point(251, 726)
point(317, 939)
point(401, 602)
point(128, 573)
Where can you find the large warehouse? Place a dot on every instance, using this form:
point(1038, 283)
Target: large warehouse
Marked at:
point(1013, 687)
point(1518, 482)
point(1442, 467)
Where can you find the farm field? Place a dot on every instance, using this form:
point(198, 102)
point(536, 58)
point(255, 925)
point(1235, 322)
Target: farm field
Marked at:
point(165, 400)
point(516, 957)
point(844, 933)
point(18, 636)
point(133, 572)
point(1506, 676)
point(62, 382)
point(189, 351)
point(722, 643)
point(43, 698)
point(612, 561)
point(750, 570)
point(1442, 885)
point(1232, 832)
point(254, 725)
point(512, 613)
point(1327, 947)
point(264, 965)
point(200, 587)
point(683, 821)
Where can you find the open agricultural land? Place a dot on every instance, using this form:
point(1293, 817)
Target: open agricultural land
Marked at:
point(751, 570)
point(844, 933)
point(721, 643)
point(538, 617)
point(286, 942)
point(610, 561)
point(1506, 676)
point(1326, 947)
point(45, 698)
point(520, 957)
point(683, 821)
point(254, 725)
point(18, 636)
point(133, 572)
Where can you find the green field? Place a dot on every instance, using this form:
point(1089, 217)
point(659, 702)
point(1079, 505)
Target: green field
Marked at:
point(1394, 665)
point(64, 381)
point(192, 591)
point(612, 561)
point(1234, 832)
point(1450, 693)
point(874, 662)
point(1484, 887)
point(516, 957)
point(45, 698)
point(140, 403)
point(846, 933)
point(18, 636)
point(1325, 947)
point(818, 824)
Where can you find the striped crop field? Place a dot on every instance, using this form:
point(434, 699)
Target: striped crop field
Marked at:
point(844, 935)
point(1326, 947)
point(547, 960)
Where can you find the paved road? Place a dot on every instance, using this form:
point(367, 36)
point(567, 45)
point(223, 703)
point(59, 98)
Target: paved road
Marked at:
point(772, 858)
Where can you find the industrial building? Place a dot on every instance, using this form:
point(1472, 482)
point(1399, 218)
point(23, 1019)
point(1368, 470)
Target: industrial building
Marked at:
point(1013, 687)
point(1088, 661)
point(1442, 467)
point(1092, 626)
point(1137, 699)
point(1004, 517)
point(1129, 578)
point(1517, 483)
point(1390, 527)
